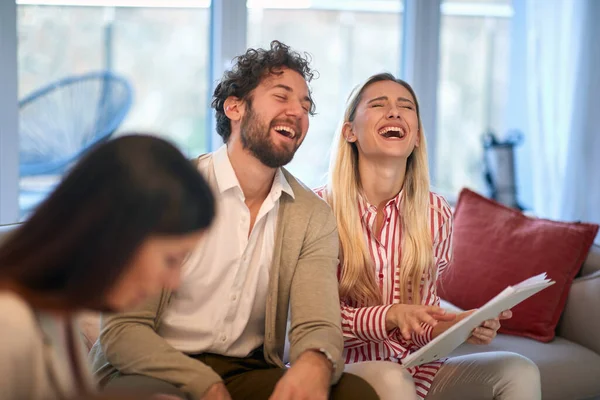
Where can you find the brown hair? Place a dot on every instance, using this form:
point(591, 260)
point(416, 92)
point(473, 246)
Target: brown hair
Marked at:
point(80, 240)
point(249, 71)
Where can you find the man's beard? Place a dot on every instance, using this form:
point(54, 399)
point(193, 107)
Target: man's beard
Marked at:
point(256, 137)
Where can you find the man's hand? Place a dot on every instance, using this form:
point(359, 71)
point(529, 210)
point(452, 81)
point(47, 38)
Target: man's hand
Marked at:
point(408, 318)
point(218, 391)
point(488, 330)
point(308, 378)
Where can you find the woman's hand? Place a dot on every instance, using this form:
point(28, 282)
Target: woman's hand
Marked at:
point(488, 330)
point(408, 318)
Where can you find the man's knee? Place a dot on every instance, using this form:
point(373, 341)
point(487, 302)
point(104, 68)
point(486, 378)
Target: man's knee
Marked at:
point(141, 385)
point(353, 387)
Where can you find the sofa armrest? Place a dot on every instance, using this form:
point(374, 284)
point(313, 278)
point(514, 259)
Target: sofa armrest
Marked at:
point(580, 321)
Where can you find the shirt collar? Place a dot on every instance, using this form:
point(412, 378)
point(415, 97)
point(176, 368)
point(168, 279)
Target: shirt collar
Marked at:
point(226, 178)
point(365, 207)
point(224, 173)
point(282, 183)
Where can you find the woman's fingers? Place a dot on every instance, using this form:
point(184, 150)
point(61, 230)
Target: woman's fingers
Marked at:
point(440, 314)
point(446, 316)
point(475, 340)
point(506, 314)
point(405, 331)
point(416, 327)
point(485, 335)
point(493, 324)
point(411, 318)
point(427, 319)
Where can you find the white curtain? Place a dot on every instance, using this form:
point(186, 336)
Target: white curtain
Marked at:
point(581, 191)
point(561, 96)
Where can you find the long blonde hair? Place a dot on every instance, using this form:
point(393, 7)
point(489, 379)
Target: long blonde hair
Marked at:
point(357, 281)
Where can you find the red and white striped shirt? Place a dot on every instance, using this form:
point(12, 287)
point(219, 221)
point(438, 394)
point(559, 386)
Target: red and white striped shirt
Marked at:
point(365, 335)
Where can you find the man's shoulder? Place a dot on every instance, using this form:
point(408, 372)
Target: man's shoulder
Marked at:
point(303, 195)
point(204, 164)
point(203, 160)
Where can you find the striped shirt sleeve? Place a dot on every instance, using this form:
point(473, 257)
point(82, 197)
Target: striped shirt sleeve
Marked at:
point(362, 325)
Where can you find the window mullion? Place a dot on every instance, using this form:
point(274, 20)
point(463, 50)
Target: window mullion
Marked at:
point(9, 117)
point(420, 63)
point(228, 20)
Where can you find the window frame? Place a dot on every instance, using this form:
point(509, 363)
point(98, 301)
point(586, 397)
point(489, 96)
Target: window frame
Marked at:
point(9, 131)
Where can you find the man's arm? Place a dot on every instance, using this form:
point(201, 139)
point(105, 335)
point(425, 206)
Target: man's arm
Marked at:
point(315, 304)
point(130, 344)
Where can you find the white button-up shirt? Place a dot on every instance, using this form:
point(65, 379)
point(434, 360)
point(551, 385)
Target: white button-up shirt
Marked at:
point(220, 306)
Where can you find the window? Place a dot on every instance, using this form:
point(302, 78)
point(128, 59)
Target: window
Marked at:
point(348, 41)
point(161, 50)
point(472, 90)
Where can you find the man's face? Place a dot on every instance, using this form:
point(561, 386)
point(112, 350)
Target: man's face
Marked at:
point(275, 119)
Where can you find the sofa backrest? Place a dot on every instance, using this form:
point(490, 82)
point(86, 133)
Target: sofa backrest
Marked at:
point(592, 263)
point(571, 326)
point(580, 320)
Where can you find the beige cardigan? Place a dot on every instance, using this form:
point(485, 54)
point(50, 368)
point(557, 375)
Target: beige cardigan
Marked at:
point(302, 278)
point(34, 358)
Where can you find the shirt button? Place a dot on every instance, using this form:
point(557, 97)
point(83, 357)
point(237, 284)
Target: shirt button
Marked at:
point(233, 297)
point(223, 338)
point(380, 250)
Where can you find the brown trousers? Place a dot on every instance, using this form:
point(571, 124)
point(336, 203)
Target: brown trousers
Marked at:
point(249, 378)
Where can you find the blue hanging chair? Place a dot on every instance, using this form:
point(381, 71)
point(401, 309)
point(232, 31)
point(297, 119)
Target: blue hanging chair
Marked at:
point(59, 122)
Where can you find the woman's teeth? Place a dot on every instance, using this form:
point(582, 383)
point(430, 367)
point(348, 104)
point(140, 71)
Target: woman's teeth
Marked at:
point(390, 132)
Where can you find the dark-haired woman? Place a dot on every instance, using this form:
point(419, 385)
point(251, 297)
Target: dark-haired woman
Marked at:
point(113, 233)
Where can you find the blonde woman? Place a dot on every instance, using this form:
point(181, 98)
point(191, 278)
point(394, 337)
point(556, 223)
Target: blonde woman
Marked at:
point(395, 240)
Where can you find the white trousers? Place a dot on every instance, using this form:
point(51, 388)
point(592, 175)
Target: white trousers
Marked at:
point(478, 376)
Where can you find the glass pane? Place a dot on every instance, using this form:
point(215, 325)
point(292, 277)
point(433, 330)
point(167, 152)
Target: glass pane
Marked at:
point(162, 53)
point(340, 37)
point(472, 95)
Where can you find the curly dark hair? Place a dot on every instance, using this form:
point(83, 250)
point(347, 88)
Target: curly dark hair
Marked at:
point(249, 70)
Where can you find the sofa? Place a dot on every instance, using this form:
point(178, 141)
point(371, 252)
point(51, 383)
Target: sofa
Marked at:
point(569, 365)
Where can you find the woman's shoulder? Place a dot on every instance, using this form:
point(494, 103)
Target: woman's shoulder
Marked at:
point(17, 318)
point(439, 205)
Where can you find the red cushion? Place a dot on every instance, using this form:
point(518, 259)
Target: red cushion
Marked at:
point(496, 246)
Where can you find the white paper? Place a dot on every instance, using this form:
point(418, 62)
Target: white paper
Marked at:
point(449, 340)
